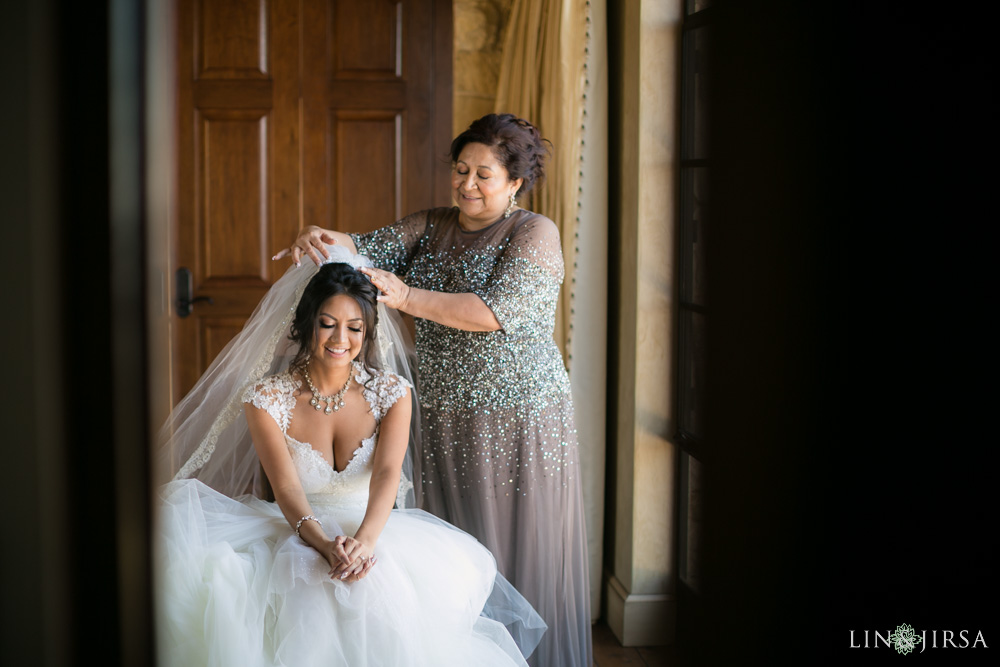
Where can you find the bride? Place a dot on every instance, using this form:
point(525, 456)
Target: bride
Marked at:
point(330, 573)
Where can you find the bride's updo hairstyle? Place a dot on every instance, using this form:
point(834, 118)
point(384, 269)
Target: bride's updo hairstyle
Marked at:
point(332, 280)
point(516, 144)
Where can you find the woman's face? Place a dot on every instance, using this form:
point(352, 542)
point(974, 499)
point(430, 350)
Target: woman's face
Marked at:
point(481, 187)
point(340, 331)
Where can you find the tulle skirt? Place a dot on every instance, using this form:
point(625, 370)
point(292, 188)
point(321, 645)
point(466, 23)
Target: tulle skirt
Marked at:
point(236, 587)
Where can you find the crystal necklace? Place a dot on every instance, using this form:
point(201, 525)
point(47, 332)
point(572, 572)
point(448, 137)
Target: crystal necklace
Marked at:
point(334, 402)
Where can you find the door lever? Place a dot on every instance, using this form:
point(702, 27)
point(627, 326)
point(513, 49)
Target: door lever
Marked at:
point(185, 287)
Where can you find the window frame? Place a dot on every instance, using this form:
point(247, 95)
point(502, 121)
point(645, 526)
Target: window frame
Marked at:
point(691, 303)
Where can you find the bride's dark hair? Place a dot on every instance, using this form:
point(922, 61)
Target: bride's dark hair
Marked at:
point(329, 281)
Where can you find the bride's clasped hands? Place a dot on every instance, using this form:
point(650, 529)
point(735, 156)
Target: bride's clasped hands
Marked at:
point(350, 559)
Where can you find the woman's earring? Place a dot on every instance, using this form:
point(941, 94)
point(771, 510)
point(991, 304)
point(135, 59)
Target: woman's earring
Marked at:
point(510, 206)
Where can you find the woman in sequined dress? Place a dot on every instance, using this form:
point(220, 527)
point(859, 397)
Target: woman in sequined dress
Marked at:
point(499, 455)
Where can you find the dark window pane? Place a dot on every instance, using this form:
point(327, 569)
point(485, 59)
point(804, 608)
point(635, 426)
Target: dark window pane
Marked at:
point(691, 366)
point(695, 82)
point(701, 81)
point(694, 199)
point(690, 521)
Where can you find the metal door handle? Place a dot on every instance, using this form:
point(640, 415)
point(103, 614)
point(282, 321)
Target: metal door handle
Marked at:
point(185, 286)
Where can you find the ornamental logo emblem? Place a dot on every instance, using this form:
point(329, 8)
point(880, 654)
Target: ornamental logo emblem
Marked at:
point(904, 639)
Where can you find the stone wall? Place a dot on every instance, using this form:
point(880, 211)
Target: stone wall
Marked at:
point(479, 33)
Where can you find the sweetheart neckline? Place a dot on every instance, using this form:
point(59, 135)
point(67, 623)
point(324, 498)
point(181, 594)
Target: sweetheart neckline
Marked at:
point(370, 440)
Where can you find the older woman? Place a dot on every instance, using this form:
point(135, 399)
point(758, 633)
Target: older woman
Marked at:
point(499, 453)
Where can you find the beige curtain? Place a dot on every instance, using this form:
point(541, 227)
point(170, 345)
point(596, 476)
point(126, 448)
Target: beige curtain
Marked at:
point(543, 78)
point(553, 73)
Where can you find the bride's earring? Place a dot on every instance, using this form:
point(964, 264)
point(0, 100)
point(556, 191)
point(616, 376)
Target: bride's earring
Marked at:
point(510, 206)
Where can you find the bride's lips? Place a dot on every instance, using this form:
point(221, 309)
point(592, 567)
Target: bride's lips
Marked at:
point(336, 352)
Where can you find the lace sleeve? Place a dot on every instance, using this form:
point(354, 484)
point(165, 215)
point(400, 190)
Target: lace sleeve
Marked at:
point(275, 395)
point(525, 282)
point(393, 247)
point(382, 389)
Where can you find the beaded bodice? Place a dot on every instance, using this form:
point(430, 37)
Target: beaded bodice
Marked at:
point(516, 266)
point(323, 485)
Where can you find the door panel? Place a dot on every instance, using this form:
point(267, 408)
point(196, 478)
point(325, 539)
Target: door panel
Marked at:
point(231, 39)
point(216, 332)
point(231, 207)
point(330, 113)
point(366, 163)
point(366, 45)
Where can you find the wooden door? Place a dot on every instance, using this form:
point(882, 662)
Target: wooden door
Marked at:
point(328, 112)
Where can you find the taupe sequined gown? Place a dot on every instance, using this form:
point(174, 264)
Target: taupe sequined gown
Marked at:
point(500, 455)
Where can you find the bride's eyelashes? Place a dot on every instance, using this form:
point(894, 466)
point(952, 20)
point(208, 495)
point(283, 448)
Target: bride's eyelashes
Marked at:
point(324, 325)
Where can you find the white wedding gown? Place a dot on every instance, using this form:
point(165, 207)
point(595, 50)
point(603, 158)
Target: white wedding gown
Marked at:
point(237, 587)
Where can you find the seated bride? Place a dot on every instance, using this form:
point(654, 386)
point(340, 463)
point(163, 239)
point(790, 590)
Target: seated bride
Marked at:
point(330, 573)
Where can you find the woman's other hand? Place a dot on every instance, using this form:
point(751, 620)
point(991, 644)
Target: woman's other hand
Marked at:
point(394, 291)
point(312, 241)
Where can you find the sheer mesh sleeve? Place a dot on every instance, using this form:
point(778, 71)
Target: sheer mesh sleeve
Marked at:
point(524, 285)
point(393, 247)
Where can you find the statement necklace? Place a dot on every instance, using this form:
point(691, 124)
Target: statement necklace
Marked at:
point(334, 402)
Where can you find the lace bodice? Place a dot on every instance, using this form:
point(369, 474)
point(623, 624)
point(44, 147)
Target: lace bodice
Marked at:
point(323, 485)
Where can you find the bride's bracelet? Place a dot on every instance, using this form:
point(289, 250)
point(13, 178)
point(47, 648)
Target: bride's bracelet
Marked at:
point(307, 517)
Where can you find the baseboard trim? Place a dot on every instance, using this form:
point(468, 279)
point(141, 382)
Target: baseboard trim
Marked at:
point(639, 620)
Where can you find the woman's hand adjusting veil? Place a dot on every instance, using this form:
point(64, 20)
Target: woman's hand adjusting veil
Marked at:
point(395, 293)
point(462, 311)
point(465, 311)
point(312, 241)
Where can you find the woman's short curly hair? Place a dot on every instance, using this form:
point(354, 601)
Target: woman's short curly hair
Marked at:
point(516, 144)
point(331, 280)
